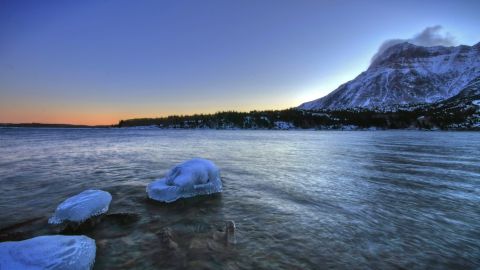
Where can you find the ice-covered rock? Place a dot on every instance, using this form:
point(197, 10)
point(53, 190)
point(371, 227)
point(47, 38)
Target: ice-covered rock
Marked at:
point(82, 206)
point(49, 252)
point(191, 178)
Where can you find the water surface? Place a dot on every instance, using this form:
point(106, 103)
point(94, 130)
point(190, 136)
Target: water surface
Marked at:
point(299, 199)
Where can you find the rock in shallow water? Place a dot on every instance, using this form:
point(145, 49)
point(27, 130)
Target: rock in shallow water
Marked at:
point(82, 206)
point(191, 178)
point(49, 252)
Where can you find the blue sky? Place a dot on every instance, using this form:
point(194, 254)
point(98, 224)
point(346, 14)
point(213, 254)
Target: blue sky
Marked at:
point(96, 62)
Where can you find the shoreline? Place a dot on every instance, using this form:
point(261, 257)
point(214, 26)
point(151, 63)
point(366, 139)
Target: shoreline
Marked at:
point(236, 129)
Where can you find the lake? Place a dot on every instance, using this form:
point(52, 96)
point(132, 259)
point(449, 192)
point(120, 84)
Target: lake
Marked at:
point(299, 199)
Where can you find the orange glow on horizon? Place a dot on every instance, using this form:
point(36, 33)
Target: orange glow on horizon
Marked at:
point(101, 116)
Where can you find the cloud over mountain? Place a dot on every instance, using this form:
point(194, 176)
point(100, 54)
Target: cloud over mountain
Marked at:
point(430, 36)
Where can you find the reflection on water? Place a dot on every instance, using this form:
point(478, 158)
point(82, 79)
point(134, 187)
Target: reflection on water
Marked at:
point(299, 199)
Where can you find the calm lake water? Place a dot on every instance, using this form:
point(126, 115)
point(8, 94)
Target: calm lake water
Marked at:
point(299, 199)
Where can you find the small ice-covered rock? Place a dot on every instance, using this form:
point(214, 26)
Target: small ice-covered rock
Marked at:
point(188, 179)
point(49, 252)
point(82, 206)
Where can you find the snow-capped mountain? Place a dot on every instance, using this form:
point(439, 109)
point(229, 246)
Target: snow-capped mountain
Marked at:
point(406, 74)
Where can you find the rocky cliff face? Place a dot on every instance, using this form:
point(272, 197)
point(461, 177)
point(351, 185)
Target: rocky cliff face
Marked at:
point(406, 74)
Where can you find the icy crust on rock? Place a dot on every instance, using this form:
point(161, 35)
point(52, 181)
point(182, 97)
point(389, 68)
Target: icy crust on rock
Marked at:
point(49, 252)
point(82, 206)
point(188, 179)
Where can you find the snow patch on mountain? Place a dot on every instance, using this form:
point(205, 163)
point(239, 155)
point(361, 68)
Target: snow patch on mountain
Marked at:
point(406, 74)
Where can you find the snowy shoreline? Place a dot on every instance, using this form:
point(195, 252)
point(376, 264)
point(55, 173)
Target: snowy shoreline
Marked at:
point(239, 129)
point(344, 128)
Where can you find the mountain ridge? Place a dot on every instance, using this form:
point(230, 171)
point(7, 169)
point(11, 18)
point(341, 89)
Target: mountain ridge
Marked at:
point(406, 74)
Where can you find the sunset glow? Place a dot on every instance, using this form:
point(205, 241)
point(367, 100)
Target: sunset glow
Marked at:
point(97, 62)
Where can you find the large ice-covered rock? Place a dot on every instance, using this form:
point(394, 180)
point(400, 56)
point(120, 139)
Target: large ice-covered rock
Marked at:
point(82, 206)
point(190, 178)
point(49, 252)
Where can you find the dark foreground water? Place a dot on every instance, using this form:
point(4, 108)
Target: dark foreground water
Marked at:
point(300, 199)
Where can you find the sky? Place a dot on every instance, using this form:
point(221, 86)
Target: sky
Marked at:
point(96, 62)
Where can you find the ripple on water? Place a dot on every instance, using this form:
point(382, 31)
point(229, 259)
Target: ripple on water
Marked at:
point(299, 199)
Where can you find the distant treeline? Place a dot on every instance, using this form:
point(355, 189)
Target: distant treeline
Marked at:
point(40, 125)
point(423, 117)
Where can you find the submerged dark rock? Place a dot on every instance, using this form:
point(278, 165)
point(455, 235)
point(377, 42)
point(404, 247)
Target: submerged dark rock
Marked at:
point(230, 232)
point(166, 238)
point(86, 226)
point(14, 236)
point(123, 218)
point(226, 234)
point(24, 230)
